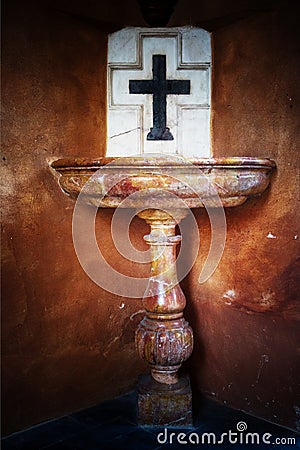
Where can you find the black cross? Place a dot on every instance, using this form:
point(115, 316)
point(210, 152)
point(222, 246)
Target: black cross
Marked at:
point(159, 87)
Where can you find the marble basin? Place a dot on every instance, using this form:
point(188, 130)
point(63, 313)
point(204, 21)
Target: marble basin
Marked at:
point(162, 181)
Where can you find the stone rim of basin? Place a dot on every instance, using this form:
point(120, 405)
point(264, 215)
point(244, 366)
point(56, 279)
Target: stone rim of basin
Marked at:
point(200, 182)
point(162, 161)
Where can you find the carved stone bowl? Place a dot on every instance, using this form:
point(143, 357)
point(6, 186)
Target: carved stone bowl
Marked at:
point(164, 181)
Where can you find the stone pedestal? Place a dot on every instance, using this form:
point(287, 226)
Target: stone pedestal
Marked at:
point(161, 404)
point(164, 338)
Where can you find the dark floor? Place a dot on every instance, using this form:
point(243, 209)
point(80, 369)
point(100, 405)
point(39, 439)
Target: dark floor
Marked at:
point(112, 426)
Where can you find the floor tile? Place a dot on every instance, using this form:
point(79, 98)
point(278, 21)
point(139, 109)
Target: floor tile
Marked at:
point(41, 435)
point(113, 426)
point(137, 440)
point(122, 408)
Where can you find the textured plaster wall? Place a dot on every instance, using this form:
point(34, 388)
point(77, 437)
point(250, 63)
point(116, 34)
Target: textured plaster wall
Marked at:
point(246, 317)
point(66, 343)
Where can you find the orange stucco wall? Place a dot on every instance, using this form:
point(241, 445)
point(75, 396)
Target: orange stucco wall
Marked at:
point(246, 316)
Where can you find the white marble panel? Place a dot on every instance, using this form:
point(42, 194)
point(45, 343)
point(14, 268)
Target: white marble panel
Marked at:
point(130, 116)
point(130, 142)
point(196, 46)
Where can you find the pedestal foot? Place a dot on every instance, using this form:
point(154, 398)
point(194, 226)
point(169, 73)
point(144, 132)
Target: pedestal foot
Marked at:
point(164, 405)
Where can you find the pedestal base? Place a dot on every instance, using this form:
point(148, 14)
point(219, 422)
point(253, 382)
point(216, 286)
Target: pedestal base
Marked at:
point(164, 404)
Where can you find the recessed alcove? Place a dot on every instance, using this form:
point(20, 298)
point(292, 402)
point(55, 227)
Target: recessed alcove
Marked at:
point(67, 346)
